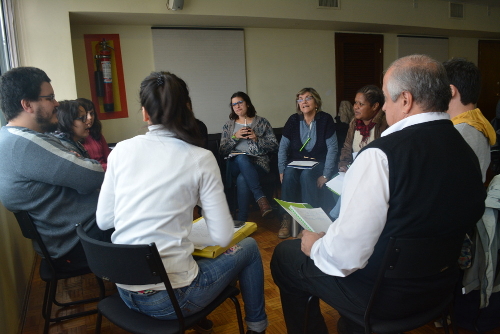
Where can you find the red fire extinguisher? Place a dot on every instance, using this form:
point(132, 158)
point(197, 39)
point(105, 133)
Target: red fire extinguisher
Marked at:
point(103, 77)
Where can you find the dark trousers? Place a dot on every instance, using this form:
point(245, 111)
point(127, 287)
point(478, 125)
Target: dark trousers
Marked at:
point(297, 277)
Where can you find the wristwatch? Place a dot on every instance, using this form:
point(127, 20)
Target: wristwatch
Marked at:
point(325, 177)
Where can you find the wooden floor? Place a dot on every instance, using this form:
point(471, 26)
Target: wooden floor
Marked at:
point(224, 318)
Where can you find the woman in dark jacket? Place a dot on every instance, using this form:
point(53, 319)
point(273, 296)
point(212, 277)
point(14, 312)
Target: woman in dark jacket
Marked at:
point(308, 135)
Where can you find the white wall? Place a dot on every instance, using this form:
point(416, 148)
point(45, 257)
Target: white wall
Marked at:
point(280, 62)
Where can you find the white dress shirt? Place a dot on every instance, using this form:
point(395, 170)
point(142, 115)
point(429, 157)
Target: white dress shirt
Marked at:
point(150, 189)
point(350, 240)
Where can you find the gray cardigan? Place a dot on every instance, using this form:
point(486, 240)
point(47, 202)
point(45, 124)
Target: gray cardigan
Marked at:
point(58, 189)
point(265, 144)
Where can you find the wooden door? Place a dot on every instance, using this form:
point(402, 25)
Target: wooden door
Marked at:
point(358, 62)
point(489, 64)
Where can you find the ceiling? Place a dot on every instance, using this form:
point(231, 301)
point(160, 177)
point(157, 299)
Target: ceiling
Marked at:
point(183, 20)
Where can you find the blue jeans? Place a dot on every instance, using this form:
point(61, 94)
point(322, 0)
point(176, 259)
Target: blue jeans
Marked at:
point(299, 185)
point(241, 261)
point(248, 177)
point(335, 213)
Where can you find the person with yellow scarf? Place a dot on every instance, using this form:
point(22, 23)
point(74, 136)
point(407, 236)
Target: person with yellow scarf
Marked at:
point(465, 83)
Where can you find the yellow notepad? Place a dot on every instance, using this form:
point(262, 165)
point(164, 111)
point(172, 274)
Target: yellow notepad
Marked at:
point(214, 251)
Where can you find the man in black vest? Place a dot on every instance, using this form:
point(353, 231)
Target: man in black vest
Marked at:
point(419, 179)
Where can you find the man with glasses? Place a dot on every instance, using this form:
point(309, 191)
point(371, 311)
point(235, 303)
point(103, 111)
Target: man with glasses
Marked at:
point(38, 174)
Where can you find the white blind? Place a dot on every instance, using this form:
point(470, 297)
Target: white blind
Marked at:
point(212, 62)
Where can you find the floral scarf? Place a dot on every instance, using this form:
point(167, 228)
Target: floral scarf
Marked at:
point(364, 129)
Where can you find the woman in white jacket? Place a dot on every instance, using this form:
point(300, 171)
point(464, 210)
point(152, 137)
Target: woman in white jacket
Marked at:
point(152, 184)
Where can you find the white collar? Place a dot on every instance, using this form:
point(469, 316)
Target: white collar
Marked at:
point(415, 119)
point(158, 130)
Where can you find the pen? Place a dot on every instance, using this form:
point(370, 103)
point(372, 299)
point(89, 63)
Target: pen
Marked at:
point(307, 141)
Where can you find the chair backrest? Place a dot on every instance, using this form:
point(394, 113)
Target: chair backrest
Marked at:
point(29, 231)
point(127, 264)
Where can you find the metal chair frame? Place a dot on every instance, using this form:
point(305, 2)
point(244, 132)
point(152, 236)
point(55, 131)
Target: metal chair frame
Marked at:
point(50, 275)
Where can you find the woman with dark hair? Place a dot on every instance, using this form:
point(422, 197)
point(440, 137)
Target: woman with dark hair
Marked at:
point(366, 126)
point(152, 184)
point(72, 127)
point(308, 135)
point(248, 138)
point(95, 144)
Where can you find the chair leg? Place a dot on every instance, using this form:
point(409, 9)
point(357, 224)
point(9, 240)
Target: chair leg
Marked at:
point(308, 304)
point(51, 289)
point(98, 323)
point(50, 298)
point(452, 319)
point(45, 299)
point(238, 314)
point(444, 320)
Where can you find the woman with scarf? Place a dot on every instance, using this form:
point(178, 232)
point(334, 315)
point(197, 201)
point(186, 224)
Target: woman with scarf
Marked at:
point(366, 126)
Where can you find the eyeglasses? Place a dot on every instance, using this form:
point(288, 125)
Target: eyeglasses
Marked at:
point(309, 98)
point(237, 103)
point(82, 118)
point(50, 97)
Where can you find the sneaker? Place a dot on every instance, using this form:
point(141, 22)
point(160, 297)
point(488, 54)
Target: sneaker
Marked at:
point(286, 224)
point(204, 326)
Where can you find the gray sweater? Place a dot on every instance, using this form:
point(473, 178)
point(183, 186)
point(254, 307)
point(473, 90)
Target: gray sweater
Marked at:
point(58, 189)
point(479, 144)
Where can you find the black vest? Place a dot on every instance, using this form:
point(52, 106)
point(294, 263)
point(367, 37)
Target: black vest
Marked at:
point(436, 189)
point(325, 128)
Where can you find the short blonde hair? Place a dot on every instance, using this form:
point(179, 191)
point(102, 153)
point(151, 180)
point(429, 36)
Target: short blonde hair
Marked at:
point(314, 94)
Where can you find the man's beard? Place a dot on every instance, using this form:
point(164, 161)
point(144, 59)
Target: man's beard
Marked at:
point(44, 123)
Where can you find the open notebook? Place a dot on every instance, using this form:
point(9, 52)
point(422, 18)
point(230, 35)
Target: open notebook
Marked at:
point(311, 219)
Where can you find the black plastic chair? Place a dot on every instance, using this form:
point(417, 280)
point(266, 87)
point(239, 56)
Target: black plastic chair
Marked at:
point(404, 259)
point(50, 275)
point(140, 265)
